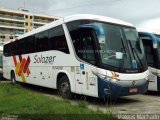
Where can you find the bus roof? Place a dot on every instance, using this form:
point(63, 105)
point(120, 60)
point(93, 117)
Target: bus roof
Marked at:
point(154, 34)
point(72, 18)
point(96, 17)
point(152, 31)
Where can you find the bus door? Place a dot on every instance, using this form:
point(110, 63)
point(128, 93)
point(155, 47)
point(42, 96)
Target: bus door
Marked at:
point(151, 59)
point(88, 64)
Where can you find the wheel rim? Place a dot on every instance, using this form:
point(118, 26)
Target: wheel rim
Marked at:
point(65, 88)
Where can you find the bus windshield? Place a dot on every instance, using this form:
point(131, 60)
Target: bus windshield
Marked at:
point(121, 47)
point(158, 41)
point(159, 49)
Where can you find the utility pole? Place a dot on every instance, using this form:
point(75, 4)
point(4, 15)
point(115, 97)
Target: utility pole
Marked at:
point(24, 3)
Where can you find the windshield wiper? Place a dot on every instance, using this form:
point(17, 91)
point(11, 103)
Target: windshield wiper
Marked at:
point(135, 53)
point(121, 62)
point(123, 46)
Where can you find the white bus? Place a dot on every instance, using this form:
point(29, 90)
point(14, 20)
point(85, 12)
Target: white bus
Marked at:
point(151, 41)
point(84, 54)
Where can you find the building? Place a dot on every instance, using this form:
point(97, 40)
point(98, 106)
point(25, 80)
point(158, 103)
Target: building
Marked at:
point(16, 22)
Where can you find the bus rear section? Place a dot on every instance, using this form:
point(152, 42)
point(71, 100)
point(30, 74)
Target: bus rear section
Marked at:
point(151, 41)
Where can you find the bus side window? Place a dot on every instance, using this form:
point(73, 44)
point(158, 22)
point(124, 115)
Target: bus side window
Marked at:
point(30, 44)
point(58, 40)
point(14, 48)
point(148, 45)
point(42, 41)
point(10, 49)
point(83, 44)
point(87, 41)
point(82, 40)
point(5, 52)
point(20, 46)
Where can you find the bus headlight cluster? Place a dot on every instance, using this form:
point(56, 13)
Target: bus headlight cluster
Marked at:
point(113, 80)
point(110, 79)
point(146, 78)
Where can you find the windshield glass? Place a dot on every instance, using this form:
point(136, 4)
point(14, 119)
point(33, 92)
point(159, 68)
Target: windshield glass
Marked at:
point(135, 46)
point(118, 47)
point(121, 47)
point(158, 41)
point(159, 49)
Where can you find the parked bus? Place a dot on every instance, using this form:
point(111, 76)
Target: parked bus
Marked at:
point(84, 54)
point(151, 41)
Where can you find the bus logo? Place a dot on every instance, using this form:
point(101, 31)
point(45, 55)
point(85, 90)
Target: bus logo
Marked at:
point(22, 66)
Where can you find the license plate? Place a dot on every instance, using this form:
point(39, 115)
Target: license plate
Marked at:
point(133, 90)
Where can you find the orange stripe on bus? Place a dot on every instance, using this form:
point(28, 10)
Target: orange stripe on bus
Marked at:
point(23, 78)
point(21, 67)
point(15, 61)
point(28, 71)
point(17, 68)
point(26, 64)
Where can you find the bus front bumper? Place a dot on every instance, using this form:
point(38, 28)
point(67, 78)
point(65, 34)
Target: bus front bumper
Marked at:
point(121, 88)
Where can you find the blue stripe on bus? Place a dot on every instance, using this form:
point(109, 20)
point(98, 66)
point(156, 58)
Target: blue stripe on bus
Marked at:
point(115, 90)
point(158, 83)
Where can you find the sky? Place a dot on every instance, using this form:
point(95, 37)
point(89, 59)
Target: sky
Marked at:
point(142, 13)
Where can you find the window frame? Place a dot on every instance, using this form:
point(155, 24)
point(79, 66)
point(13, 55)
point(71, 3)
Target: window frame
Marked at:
point(52, 36)
point(34, 38)
point(150, 45)
point(39, 38)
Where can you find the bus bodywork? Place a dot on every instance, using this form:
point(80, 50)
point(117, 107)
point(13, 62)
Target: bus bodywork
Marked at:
point(151, 41)
point(84, 54)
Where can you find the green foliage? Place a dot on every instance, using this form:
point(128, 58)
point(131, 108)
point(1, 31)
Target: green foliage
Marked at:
point(15, 100)
point(82, 104)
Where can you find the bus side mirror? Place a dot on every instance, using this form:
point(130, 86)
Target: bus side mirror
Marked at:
point(119, 55)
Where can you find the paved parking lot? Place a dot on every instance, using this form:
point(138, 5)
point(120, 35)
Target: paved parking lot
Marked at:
point(137, 104)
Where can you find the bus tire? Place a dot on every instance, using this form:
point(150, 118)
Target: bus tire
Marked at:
point(13, 78)
point(64, 87)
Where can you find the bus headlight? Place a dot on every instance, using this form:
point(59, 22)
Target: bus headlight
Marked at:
point(115, 80)
point(147, 78)
point(110, 79)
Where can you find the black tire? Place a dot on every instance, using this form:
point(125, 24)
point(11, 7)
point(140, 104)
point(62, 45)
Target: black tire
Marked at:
point(64, 88)
point(13, 78)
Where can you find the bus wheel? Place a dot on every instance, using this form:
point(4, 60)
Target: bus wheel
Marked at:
point(64, 88)
point(13, 78)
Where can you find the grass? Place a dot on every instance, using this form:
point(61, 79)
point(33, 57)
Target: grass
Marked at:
point(29, 105)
